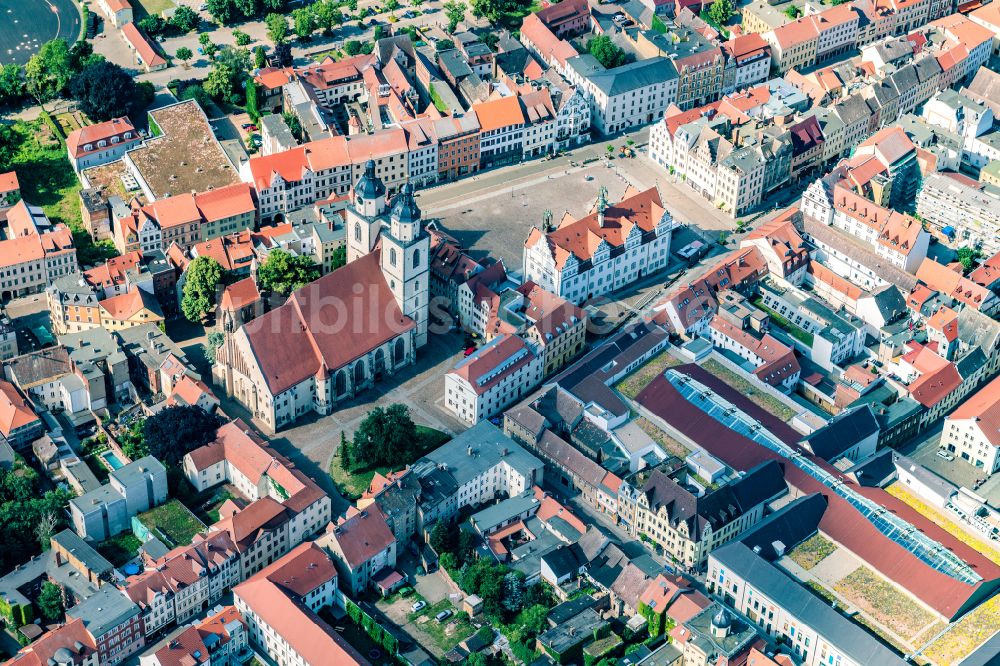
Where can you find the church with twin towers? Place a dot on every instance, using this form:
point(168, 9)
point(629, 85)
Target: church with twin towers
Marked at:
point(313, 352)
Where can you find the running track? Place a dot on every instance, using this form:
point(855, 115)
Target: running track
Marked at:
point(27, 24)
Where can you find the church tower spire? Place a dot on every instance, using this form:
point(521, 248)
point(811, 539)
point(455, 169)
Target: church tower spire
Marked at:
point(406, 260)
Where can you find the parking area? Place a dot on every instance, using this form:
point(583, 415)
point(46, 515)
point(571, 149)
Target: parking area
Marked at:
point(958, 471)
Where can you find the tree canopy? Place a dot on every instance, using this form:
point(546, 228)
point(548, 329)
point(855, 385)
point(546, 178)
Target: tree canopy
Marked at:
point(454, 10)
point(185, 19)
point(720, 11)
point(202, 278)
point(105, 91)
point(385, 437)
point(277, 28)
point(48, 72)
point(607, 52)
point(283, 273)
point(50, 602)
point(23, 507)
point(175, 431)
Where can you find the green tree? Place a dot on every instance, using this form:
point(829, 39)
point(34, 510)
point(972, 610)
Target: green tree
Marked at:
point(294, 125)
point(82, 54)
point(391, 6)
point(259, 57)
point(253, 101)
point(968, 256)
point(352, 5)
point(339, 257)
point(185, 19)
point(607, 52)
point(132, 442)
point(105, 91)
point(491, 10)
point(184, 54)
point(454, 10)
point(327, 14)
point(151, 24)
point(201, 281)
point(172, 432)
point(242, 38)
point(212, 344)
point(49, 71)
point(276, 6)
point(352, 47)
point(50, 602)
point(277, 28)
point(283, 272)
point(475, 659)
point(444, 537)
point(223, 11)
point(386, 437)
point(249, 8)
point(204, 39)
point(346, 453)
point(11, 84)
point(303, 22)
point(720, 11)
point(534, 619)
point(219, 82)
point(378, 33)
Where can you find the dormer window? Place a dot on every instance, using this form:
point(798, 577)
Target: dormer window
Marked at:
point(88, 147)
point(114, 139)
point(128, 135)
point(102, 143)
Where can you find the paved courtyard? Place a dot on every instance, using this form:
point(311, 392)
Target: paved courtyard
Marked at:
point(312, 442)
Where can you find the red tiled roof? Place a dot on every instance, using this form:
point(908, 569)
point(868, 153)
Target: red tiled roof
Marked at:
point(240, 294)
point(306, 336)
point(841, 522)
point(15, 412)
point(228, 201)
point(91, 134)
point(983, 408)
point(125, 306)
point(499, 113)
point(363, 536)
point(9, 182)
point(274, 595)
point(42, 651)
point(945, 320)
point(492, 356)
point(142, 45)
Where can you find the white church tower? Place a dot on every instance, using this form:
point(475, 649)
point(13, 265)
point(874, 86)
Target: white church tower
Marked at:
point(366, 214)
point(405, 245)
point(406, 262)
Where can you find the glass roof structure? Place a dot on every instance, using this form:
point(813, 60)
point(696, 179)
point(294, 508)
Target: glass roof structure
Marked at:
point(902, 532)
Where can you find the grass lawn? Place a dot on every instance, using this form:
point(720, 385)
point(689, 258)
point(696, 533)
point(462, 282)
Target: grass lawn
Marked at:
point(633, 384)
point(967, 634)
point(447, 634)
point(208, 508)
point(812, 551)
point(151, 7)
point(120, 549)
point(97, 466)
point(883, 602)
point(763, 400)
point(943, 521)
point(174, 521)
point(803, 336)
point(353, 484)
point(669, 444)
point(48, 180)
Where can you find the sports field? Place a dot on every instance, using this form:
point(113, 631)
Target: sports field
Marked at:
point(27, 24)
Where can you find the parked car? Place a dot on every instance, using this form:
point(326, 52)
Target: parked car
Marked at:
point(943, 453)
point(405, 591)
point(470, 351)
point(443, 615)
point(418, 606)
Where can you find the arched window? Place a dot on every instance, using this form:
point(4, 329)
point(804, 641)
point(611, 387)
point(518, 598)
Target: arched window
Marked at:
point(392, 256)
point(357, 231)
point(416, 258)
point(398, 351)
point(359, 373)
point(340, 385)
